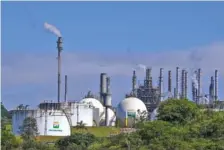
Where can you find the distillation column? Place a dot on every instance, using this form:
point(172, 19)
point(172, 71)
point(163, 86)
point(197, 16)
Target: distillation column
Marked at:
point(103, 86)
point(134, 82)
point(216, 85)
point(177, 83)
point(161, 84)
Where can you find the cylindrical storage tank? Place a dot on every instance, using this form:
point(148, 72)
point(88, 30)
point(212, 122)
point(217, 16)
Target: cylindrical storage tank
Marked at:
point(128, 111)
point(53, 123)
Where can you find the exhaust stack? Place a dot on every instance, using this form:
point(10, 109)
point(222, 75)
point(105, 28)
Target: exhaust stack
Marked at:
point(59, 46)
point(183, 84)
point(134, 82)
point(177, 83)
point(161, 84)
point(186, 86)
point(199, 85)
point(169, 82)
point(211, 91)
point(216, 85)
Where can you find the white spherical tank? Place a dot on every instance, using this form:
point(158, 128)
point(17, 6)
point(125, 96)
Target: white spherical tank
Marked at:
point(112, 118)
point(129, 108)
point(94, 102)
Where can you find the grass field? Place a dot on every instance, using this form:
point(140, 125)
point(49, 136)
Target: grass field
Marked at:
point(97, 131)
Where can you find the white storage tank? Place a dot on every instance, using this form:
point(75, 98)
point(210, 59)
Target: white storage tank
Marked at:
point(96, 104)
point(81, 112)
point(52, 123)
point(129, 109)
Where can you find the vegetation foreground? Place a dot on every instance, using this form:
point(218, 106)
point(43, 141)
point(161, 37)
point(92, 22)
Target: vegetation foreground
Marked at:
point(181, 125)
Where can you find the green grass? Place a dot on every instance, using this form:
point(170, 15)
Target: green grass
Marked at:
point(97, 131)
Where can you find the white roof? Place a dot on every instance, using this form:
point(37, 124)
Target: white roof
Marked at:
point(132, 104)
point(94, 102)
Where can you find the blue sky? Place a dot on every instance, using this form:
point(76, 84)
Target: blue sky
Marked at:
point(114, 34)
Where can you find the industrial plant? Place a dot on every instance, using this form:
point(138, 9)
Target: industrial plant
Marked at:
point(56, 118)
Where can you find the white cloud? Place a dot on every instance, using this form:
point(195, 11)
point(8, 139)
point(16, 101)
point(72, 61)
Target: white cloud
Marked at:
point(41, 69)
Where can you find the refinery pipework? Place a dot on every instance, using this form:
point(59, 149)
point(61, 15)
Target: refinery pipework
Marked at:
point(65, 96)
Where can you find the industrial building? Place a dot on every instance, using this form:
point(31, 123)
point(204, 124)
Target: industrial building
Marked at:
point(57, 118)
point(152, 96)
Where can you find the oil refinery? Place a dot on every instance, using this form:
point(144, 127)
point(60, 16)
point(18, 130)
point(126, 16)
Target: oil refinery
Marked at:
point(57, 118)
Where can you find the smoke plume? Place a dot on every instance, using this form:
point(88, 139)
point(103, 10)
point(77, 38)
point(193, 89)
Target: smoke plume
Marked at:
point(52, 29)
point(142, 67)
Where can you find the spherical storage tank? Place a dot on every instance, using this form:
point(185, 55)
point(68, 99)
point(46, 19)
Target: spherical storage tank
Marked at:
point(128, 108)
point(94, 102)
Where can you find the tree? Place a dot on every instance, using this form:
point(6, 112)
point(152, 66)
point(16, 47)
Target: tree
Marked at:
point(76, 141)
point(8, 140)
point(177, 111)
point(81, 126)
point(29, 128)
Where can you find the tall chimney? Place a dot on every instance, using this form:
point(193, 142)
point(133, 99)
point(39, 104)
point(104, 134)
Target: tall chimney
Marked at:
point(161, 84)
point(59, 46)
point(169, 82)
point(199, 84)
point(177, 82)
point(211, 90)
point(186, 86)
point(216, 85)
point(183, 84)
point(103, 86)
point(134, 80)
point(65, 98)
